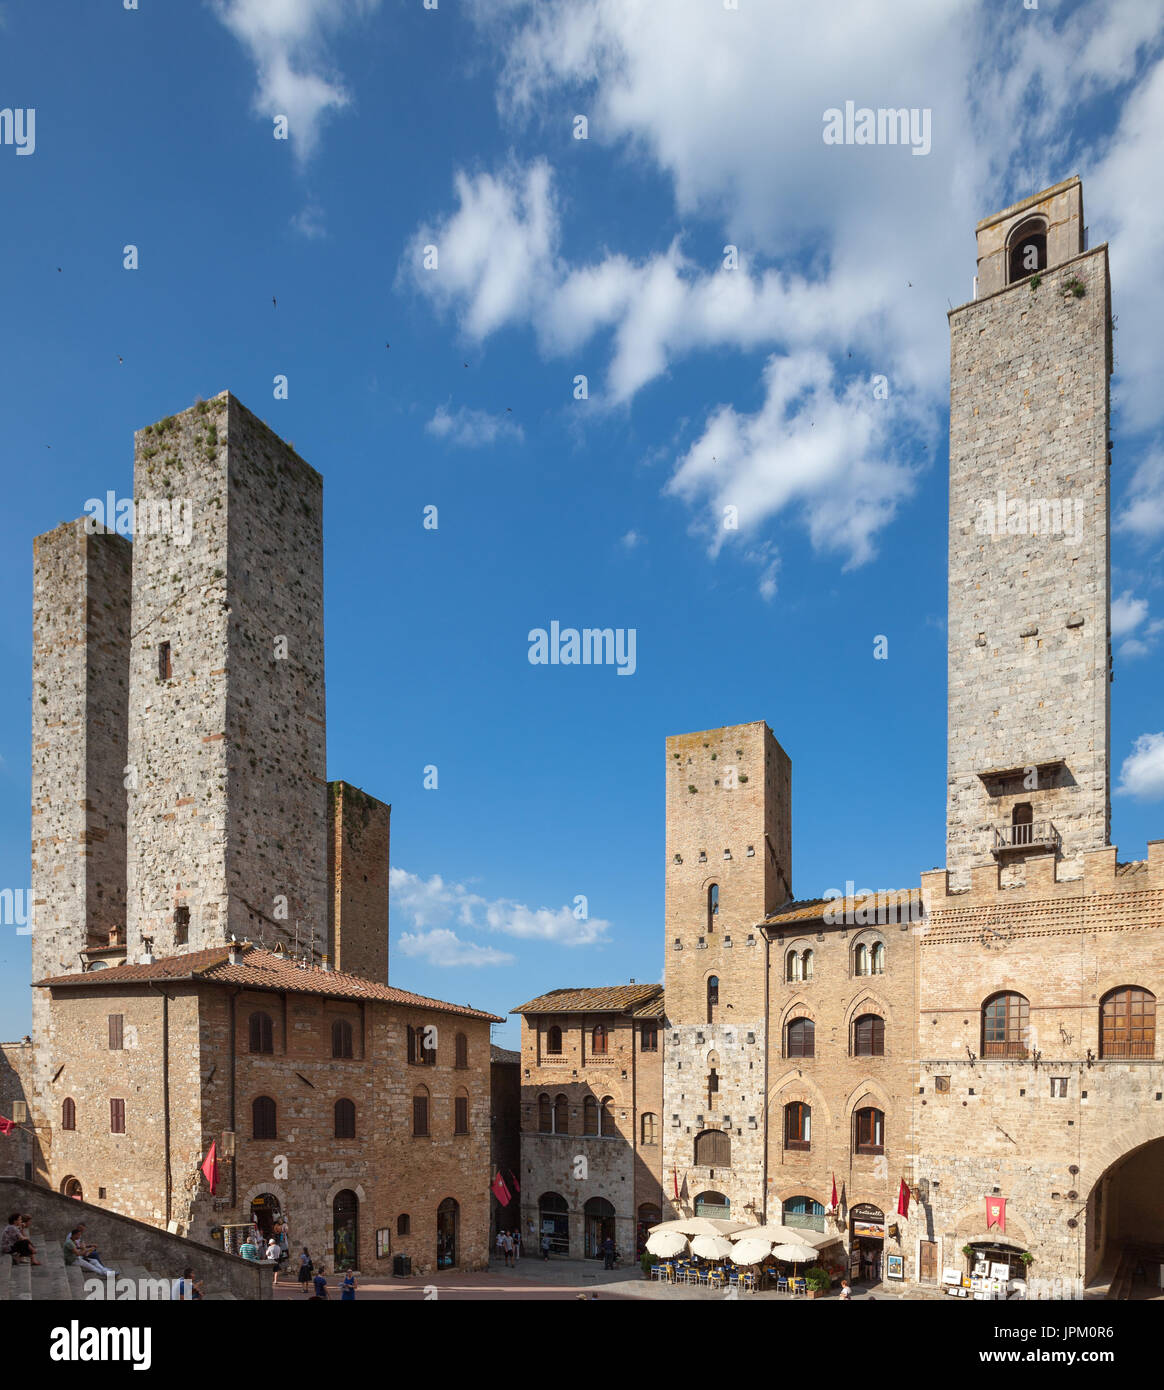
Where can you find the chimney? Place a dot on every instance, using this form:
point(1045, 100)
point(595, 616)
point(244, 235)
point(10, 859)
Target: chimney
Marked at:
point(325, 962)
point(235, 956)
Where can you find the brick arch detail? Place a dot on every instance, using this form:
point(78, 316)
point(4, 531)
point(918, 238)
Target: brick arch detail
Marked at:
point(1134, 1133)
point(802, 1189)
point(799, 1007)
point(867, 1090)
point(971, 1227)
point(276, 1189)
point(857, 1007)
point(792, 1087)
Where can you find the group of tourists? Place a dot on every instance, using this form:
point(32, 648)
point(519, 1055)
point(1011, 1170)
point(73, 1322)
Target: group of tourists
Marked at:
point(509, 1246)
point(313, 1281)
point(15, 1240)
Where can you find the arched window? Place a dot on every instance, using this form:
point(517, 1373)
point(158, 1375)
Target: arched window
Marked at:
point(800, 1038)
point(1128, 1023)
point(403, 1224)
point(1027, 250)
point(869, 1036)
point(650, 1129)
point(797, 1125)
point(590, 1115)
point(461, 1111)
point(1022, 823)
point(545, 1115)
point(598, 1040)
point(713, 1204)
point(420, 1113)
point(870, 1131)
point(561, 1115)
point(1005, 1026)
point(554, 1041)
point(806, 964)
point(713, 1149)
point(712, 906)
point(68, 1113)
point(606, 1125)
point(805, 1213)
point(341, 1038)
point(712, 997)
point(345, 1119)
point(792, 966)
point(877, 958)
point(462, 1052)
point(262, 1033)
point(860, 959)
point(263, 1118)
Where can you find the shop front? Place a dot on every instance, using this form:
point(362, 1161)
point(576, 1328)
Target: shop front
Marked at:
point(866, 1243)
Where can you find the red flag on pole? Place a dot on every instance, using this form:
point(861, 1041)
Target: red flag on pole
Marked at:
point(500, 1191)
point(675, 1175)
point(902, 1199)
point(210, 1168)
point(513, 1182)
point(6, 1126)
point(834, 1201)
point(996, 1213)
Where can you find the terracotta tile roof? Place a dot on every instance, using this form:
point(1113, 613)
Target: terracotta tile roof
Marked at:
point(653, 1008)
point(814, 909)
point(503, 1054)
point(258, 969)
point(1129, 870)
point(605, 999)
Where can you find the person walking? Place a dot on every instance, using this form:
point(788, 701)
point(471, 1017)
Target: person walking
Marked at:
point(305, 1270)
point(545, 1246)
point(320, 1282)
point(608, 1253)
point(348, 1288)
point(516, 1244)
point(500, 1244)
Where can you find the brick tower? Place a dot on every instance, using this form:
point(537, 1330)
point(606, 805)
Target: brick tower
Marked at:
point(729, 850)
point(228, 805)
point(1029, 574)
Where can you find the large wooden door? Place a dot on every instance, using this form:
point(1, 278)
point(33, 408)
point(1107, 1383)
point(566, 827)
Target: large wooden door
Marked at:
point(927, 1264)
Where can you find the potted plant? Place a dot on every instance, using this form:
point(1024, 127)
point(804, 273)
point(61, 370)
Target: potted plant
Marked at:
point(1027, 1259)
point(647, 1263)
point(816, 1281)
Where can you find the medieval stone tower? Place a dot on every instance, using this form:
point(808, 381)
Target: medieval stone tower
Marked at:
point(1029, 576)
point(80, 713)
point(729, 851)
point(228, 800)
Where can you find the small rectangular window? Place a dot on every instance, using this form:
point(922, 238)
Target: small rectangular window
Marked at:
point(117, 1117)
point(181, 926)
point(650, 1038)
point(1058, 1086)
point(116, 1032)
point(165, 666)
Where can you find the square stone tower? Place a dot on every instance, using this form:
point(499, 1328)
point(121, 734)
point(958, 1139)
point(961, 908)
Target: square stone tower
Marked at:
point(80, 703)
point(729, 852)
point(228, 801)
point(1029, 569)
point(358, 836)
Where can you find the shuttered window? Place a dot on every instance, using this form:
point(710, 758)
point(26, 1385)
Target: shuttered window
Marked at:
point(116, 1032)
point(117, 1117)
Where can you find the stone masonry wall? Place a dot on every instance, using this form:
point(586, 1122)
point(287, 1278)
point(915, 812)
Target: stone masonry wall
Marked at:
point(1028, 614)
point(358, 839)
point(229, 815)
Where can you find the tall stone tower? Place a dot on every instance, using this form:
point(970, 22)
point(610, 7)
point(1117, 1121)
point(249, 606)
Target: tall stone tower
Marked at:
point(80, 702)
point(729, 851)
point(1029, 580)
point(358, 835)
point(228, 800)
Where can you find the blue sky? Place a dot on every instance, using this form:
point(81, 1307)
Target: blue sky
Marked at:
point(561, 257)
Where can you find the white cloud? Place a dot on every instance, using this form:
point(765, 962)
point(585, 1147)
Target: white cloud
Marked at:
point(1143, 515)
point(445, 948)
point(472, 428)
point(286, 41)
point(843, 250)
point(632, 540)
point(1142, 774)
point(1127, 613)
point(433, 904)
point(310, 223)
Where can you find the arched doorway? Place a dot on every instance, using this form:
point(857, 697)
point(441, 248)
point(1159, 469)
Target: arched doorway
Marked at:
point(266, 1213)
point(1125, 1222)
point(71, 1187)
point(649, 1216)
point(599, 1224)
point(448, 1221)
point(345, 1220)
point(554, 1221)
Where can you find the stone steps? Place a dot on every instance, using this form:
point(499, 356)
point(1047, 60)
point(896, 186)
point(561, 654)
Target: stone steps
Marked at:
point(53, 1281)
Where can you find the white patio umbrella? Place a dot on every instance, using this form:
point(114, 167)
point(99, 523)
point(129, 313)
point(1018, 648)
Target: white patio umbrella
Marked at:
point(666, 1243)
point(783, 1235)
point(750, 1251)
point(796, 1251)
point(711, 1247)
point(702, 1226)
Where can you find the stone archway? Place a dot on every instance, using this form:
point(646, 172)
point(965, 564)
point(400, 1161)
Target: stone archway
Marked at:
point(1125, 1215)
